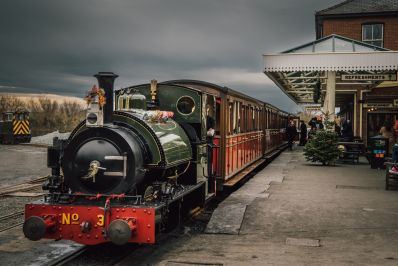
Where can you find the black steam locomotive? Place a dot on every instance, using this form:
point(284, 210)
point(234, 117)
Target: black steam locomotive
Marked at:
point(125, 175)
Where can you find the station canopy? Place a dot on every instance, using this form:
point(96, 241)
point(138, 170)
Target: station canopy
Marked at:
point(296, 71)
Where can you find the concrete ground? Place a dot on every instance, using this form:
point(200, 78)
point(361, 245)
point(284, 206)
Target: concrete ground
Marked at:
point(19, 163)
point(318, 215)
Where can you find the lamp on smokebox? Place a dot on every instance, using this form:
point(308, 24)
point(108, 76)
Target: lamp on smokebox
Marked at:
point(95, 100)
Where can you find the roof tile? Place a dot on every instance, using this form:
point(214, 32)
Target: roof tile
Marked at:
point(361, 6)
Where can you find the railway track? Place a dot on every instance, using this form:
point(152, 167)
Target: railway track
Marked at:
point(14, 206)
point(30, 185)
point(10, 221)
point(67, 258)
point(11, 227)
point(12, 215)
point(109, 254)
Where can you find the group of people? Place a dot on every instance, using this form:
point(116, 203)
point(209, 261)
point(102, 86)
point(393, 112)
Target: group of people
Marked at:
point(343, 129)
point(291, 131)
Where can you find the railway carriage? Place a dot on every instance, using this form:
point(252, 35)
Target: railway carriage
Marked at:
point(135, 170)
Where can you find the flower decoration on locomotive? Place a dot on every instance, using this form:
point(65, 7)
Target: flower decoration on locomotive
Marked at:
point(94, 93)
point(158, 116)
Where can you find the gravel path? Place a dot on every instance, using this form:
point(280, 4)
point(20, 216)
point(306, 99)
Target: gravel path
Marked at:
point(48, 138)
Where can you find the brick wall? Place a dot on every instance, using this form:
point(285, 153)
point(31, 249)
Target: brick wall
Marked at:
point(352, 28)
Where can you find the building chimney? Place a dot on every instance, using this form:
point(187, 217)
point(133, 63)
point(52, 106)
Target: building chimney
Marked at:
point(105, 81)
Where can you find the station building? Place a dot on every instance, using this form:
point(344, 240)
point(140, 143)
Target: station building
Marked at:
point(354, 62)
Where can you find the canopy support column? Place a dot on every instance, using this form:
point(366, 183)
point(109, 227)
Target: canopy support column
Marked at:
point(331, 94)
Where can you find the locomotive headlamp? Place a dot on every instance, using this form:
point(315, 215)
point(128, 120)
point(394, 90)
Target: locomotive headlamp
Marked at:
point(92, 118)
point(94, 115)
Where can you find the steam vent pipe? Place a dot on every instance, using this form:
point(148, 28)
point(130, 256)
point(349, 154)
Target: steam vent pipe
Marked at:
point(106, 81)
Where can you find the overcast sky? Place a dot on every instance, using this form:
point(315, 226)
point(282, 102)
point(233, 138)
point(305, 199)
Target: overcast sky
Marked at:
point(56, 46)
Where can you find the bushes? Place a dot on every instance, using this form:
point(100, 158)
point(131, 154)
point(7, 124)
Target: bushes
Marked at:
point(46, 115)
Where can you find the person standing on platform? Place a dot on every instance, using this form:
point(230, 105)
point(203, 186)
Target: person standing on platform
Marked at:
point(312, 122)
point(312, 132)
point(210, 125)
point(291, 132)
point(388, 132)
point(346, 131)
point(303, 133)
point(337, 130)
point(319, 124)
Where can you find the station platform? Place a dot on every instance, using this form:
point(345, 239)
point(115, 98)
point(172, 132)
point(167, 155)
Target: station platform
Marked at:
point(296, 213)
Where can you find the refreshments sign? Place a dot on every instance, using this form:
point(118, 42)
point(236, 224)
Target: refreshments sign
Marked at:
point(378, 105)
point(369, 77)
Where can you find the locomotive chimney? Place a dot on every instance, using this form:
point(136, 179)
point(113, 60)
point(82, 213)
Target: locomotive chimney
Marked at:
point(105, 81)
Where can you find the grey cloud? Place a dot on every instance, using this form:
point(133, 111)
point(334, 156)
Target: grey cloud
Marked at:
point(56, 46)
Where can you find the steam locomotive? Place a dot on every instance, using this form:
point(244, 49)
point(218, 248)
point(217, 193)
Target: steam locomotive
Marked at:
point(15, 127)
point(127, 174)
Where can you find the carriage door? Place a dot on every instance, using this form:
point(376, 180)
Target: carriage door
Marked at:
point(210, 128)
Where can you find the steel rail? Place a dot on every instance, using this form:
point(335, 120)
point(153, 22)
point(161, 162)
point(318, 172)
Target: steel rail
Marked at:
point(11, 227)
point(29, 185)
point(68, 257)
point(4, 217)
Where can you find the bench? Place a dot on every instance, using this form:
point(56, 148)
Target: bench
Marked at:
point(391, 177)
point(352, 151)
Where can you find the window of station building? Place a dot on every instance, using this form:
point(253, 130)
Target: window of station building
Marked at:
point(373, 34)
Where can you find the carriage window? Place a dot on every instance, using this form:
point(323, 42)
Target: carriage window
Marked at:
point(186, 105)
point(246, 118)
point(230, 120)
point(236, 118)
point(238, 123)
point(249, 118)
point(243, 116)
point(253, 118)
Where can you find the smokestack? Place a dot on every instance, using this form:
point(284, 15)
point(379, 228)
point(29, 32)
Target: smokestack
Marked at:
point(105, 81)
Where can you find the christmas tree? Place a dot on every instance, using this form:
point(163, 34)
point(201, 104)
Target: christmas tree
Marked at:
point(322, 147)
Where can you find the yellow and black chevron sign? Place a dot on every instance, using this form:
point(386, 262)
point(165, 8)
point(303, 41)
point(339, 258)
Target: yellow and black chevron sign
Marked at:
point(20, 127)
